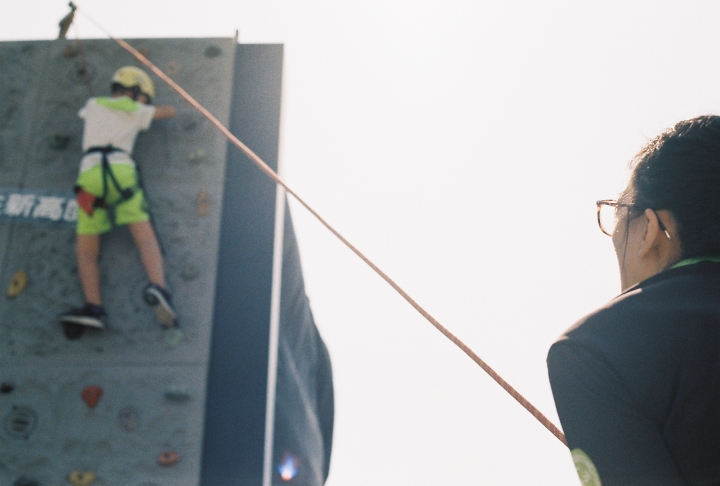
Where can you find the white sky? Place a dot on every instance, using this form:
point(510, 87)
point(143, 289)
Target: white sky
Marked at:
point(462, 145)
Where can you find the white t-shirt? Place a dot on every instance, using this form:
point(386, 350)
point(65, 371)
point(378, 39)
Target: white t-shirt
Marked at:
point(116, 122)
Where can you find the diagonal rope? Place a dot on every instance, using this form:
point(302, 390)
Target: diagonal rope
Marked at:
point(274, 176)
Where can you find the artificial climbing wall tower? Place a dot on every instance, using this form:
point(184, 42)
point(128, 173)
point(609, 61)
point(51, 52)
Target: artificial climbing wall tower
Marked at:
point(128, 405)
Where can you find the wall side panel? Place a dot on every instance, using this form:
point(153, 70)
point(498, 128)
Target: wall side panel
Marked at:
point(235, 413)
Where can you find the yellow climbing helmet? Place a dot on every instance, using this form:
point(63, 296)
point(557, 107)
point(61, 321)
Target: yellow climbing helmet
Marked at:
point(130, 76)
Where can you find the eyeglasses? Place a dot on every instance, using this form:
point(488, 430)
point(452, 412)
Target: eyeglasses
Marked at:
point(607, 216)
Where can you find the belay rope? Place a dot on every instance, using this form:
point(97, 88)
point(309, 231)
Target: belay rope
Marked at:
point(274, 176)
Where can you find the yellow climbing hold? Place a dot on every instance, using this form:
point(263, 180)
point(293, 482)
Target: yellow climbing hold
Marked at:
point(17, 284)
point(82, 478)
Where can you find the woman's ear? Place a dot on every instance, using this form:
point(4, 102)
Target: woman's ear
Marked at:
point(660, 239)
point(652, 234)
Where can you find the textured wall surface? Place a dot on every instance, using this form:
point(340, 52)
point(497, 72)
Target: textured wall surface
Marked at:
point(153, 392)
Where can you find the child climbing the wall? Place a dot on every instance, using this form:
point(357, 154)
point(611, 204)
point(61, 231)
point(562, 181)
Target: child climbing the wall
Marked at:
point(109, 194)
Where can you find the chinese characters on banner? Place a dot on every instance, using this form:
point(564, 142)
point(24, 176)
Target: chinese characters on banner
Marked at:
point(38, 206)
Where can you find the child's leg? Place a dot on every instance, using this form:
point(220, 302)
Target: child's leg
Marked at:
point(87, 251)
point(149, 248)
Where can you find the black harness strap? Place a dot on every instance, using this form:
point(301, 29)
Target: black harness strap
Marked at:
point(125, 194)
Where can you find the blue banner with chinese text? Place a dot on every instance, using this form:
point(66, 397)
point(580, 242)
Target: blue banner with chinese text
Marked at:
point(38, 206)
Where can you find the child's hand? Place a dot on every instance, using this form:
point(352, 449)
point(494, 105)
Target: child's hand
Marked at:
point(163, 112)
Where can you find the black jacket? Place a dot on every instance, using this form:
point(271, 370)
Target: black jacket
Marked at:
point(637, 383)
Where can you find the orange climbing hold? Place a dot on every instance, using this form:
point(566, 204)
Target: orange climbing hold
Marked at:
point(91, 394)
point(168, 458)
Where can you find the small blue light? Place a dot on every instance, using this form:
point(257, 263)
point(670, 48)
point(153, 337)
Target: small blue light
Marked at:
point(288, 467)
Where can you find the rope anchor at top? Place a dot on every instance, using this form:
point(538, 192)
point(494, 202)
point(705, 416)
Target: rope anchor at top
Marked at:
point(66, 21)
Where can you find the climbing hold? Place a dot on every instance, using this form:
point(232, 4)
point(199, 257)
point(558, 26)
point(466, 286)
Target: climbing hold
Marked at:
point(168, 458)
point(73, 331)
point(23, 481)
point(80, 72)
point(190, 124)
point(190, 272)
point(173, 336)
point(91, 394)
point(85, 478)
point(69, 52)
point(213, 51)
point(173, 67)
point(144, 51)
point(202, 203)
point(20, 422)
point(177, 394)
point(6, 387)
point(17, 284)
point(197, 156)
point(58, 141)
point(128, 418)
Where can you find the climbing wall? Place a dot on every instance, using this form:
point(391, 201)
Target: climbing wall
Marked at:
point(125, 405)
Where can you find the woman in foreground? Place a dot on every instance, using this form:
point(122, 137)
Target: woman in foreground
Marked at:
point(637, 382)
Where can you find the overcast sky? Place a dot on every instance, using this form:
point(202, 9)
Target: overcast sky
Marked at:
point(462, 145)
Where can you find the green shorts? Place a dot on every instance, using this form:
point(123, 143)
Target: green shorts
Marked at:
point(133, 210)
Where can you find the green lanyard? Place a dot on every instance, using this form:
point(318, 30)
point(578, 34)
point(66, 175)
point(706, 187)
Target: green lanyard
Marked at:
point(691, 261)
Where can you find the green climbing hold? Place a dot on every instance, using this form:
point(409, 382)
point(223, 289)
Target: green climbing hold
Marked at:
point(173, 336)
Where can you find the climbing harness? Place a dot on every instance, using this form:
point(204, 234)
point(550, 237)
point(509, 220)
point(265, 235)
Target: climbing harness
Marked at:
point(274, 176)
point(89, 202)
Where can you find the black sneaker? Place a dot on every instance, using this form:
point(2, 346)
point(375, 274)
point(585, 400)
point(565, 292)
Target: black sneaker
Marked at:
point(159, 299)
point(90, 316)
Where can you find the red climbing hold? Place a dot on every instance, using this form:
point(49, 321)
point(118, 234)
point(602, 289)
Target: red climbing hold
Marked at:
point(91, 394)
point(168, 458)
